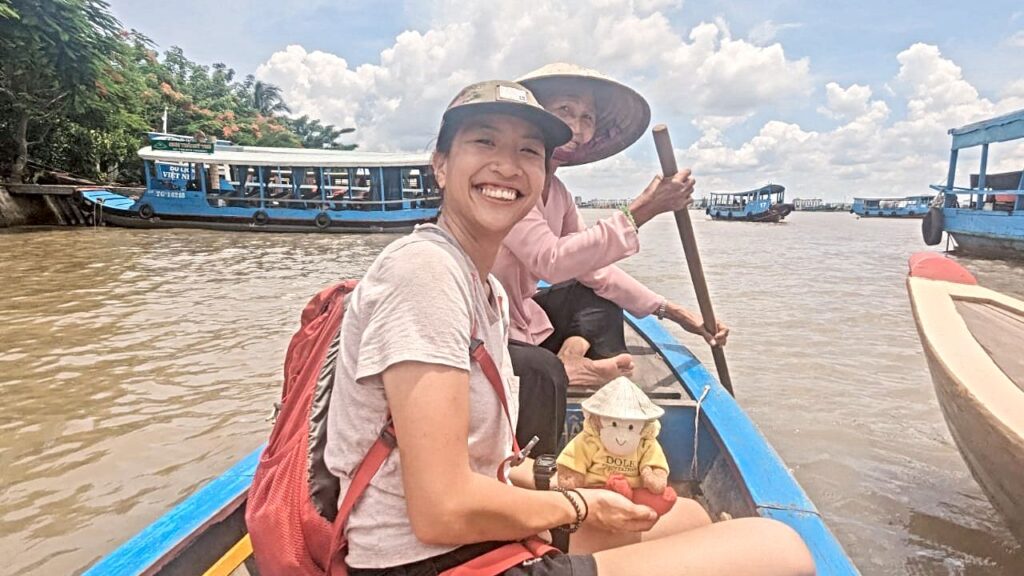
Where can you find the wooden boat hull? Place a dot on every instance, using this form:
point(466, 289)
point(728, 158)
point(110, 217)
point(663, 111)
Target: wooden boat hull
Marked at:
point(982, 405)
point(716, 455)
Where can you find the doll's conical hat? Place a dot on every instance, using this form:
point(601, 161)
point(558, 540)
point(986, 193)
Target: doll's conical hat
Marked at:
point(622, 113)
point(621, 398)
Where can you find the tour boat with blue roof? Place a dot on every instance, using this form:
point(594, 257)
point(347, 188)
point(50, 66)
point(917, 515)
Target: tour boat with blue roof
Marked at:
point(905, 207)
point(715, 452)
point(765, 204)
point(988, 217)
point(221, 186)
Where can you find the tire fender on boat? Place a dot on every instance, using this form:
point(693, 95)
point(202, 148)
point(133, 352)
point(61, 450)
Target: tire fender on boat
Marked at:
point(322, 220)
point(146, 211)
point(260, 217)
point(931, 226)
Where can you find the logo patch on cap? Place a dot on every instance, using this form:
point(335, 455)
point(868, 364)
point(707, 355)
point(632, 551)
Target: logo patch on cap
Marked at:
point(512, 93)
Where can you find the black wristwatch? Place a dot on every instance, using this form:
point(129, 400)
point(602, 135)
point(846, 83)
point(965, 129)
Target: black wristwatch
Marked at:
point(543, 469)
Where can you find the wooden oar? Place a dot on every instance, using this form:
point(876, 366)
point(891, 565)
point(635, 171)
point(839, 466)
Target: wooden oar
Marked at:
point(667, 156)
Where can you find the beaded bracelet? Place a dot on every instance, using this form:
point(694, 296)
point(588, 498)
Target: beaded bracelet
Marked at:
point(629, 216)
point(581, 515)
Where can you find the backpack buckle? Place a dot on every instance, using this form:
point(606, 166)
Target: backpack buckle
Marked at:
point(523, 453)
point(387, 434)
point(274, 413)
point(474, 343)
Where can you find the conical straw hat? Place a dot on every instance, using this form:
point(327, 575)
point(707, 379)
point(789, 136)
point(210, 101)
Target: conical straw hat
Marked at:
point(621, 398)
point(622, 113)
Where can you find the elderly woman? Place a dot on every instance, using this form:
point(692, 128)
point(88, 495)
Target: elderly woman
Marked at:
point(579, 318)
point(441, 499)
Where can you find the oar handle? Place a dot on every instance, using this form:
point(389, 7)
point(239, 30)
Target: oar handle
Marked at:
point(667, 156)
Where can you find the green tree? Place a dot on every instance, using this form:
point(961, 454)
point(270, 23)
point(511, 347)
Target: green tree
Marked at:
point(316, 135)
point(267, 99)
point(54, 58)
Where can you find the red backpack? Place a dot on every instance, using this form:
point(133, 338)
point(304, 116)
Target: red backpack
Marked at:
point(292, 512)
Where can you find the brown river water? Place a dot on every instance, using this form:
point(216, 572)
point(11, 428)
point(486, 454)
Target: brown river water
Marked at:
point(137, 365)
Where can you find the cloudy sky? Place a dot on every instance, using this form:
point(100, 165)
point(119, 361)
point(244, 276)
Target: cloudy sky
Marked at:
point(830, 99)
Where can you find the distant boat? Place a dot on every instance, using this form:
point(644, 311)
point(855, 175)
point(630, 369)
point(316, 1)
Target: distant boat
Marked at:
point(987, 218)
point(221, 186)
point(766, 204)
point(973, 339)
point(906, 207)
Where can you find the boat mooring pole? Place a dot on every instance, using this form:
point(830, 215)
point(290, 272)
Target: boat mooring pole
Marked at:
point(667, 156)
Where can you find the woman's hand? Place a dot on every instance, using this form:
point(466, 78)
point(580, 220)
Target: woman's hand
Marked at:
point(663, 195)
point(693, 324)
point(613, 512)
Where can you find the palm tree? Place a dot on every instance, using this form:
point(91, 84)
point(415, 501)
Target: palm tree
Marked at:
point(267, 99)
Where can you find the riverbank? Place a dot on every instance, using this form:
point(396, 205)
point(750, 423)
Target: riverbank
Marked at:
point(46, 205)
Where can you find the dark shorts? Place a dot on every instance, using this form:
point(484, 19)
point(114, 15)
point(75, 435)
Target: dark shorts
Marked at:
point(576, 310)
point(553, 565)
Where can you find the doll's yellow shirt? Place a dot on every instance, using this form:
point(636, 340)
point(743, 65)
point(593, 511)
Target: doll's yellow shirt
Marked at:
point(587, 455)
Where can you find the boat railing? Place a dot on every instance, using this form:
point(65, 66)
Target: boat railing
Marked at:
point(960, 190)
point(329, 203)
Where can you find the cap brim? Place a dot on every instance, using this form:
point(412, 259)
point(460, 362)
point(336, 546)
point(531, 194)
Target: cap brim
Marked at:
point(554, 131)
point(623, 114)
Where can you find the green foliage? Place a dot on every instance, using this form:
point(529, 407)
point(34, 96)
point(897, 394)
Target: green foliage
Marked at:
point(316, 135)
point(78, 93)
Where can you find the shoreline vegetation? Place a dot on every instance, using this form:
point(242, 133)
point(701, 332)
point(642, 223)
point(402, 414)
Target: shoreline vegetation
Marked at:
point(79, 92)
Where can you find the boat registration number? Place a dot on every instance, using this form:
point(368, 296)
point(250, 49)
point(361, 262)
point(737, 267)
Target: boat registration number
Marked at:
point(168, 194)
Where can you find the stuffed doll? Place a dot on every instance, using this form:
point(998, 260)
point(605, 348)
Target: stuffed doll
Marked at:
point(618, 447)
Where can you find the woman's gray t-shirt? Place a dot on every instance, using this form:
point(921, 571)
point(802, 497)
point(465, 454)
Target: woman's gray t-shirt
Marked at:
point(418, 302)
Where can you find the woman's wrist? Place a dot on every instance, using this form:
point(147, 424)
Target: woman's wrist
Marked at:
point(638, 208)
point(579, 506)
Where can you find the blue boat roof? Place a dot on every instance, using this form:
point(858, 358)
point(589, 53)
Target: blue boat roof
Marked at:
point(999, 129)
point(263, 156)
point(897, 198)
point(769, 189)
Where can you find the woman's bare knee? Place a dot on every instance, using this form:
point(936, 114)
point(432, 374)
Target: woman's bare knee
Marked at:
point(687, 514)
point(790, 554)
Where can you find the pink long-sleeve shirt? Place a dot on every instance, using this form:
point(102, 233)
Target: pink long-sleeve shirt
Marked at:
point(552, 243)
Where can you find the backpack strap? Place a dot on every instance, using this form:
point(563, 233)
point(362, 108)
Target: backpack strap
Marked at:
point(479, 353)
point(387, 441)
point(380, 450)
point(499, 560)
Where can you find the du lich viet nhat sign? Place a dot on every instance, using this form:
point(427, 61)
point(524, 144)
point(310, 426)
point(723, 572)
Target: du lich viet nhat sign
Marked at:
point(179, 146)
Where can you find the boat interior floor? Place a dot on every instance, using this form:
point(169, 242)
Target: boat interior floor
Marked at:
point(652, 373)
point(1000, 331)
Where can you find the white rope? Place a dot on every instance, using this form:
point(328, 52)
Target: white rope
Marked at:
point(696, 433)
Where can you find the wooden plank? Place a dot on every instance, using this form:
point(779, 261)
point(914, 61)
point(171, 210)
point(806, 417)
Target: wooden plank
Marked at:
point(1000, 332)
point(234, 558)
point(65, 190)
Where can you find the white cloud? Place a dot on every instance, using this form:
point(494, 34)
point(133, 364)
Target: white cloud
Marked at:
point(768, 30)
point(699, 76)
point(868, 154)
point(845, 103)
point(396, 102)
point(1017, 40)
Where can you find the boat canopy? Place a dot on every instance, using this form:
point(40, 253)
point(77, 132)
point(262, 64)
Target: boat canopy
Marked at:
point(263, 156)
point(927, 197)
point(999, 129)
point(769, 189)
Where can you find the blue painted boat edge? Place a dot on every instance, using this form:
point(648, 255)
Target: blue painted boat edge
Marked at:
point(772, 487)
point(109, 200)
point(169, 531)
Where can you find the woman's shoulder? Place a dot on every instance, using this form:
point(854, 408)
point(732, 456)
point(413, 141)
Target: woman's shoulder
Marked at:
point(421, 255)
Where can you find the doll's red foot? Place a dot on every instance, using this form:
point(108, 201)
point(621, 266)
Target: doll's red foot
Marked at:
point(661, 503)
point(618, 483)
